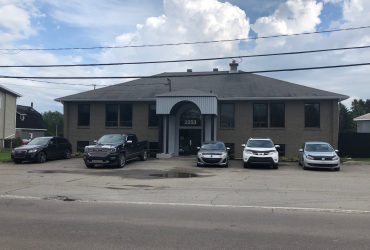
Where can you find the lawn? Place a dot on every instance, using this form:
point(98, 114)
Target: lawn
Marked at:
point(5, 156)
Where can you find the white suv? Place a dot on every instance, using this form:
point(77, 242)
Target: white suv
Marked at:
point(260, 151)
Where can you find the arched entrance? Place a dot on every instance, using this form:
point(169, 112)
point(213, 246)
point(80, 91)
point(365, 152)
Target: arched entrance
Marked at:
point(190, 129)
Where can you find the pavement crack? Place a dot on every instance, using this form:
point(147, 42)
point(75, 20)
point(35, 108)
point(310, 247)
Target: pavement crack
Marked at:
point(13, 190)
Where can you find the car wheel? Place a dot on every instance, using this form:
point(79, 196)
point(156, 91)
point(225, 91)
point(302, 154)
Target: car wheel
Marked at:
point(198, 165)
point(144, 155)
point(121, 161)
point(89, 165)
point(337, 169)
point(41, 157)
point(275, 166)
point(246, 165)
point(67, 154)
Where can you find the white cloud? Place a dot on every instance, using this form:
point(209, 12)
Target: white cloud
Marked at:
point(15, 23)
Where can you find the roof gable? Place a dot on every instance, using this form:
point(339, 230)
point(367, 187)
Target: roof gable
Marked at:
point(27, 117)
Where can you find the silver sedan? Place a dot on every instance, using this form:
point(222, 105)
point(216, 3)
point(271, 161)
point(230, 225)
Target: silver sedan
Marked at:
point(318, 155)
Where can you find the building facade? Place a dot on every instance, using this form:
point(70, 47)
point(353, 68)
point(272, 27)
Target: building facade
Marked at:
point(179, 111)
point(29, 123)
point(8, 104)
point(363, 123)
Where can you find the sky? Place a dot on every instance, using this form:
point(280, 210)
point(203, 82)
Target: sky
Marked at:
point(45, 24)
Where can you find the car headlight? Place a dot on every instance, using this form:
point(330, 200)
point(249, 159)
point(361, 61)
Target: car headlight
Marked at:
point(33, 150)
point(335, 158)
point(248, 152)
point(113, 149)
point(309, 157)
point(200, 154)
point(272, 152)
point(224, 155)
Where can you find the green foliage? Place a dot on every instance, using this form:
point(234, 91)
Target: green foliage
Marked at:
point(358, 107)
point(5, 155)
point(53, 121)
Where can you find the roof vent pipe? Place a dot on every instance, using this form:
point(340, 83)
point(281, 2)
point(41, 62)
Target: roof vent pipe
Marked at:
point(189, 70)
point(233, 67)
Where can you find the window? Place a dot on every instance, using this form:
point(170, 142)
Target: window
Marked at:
point(260, 115)
point(111, 115)
point(152, 116)
point(227, 115)
point(81, 146)
point(268, 115)
point(83, 115)
point(118, 114)
point(125, 115)
point(277, 115)
point(312, 115)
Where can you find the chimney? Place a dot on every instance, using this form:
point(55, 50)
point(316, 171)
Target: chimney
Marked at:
point(215, 69)
point(31, 104)
point(233, 67)
point(189, 70)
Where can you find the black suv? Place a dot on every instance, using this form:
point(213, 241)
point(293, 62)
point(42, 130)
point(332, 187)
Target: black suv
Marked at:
point(41, 149)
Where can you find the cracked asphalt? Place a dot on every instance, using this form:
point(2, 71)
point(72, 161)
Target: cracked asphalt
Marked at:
point(167, 181)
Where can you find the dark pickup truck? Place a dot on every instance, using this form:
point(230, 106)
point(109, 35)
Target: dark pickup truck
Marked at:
point(115, 150)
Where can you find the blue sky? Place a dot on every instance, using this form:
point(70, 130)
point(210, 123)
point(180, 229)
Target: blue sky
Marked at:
point(73, 23)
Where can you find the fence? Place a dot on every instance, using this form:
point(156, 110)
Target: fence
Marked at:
point(354, 144)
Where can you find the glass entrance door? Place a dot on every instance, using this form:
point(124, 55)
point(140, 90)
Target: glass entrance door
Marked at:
point(189, 140)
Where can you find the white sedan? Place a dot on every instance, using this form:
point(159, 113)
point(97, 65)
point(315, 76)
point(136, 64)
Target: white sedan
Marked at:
point(318, 155)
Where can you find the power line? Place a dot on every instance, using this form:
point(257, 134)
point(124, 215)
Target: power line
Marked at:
point(185, 75)
point(185, 43)
point(186, 60)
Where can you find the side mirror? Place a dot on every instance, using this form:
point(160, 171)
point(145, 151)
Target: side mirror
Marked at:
point(277, 146)
point(227, 148)
point(243, 145)
point(300, 150)
point(336, 151)
point(95, 141)
point(128, 141)
point(198, 148)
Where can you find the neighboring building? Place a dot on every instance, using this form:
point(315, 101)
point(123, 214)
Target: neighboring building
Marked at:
point(29, 123)
point(8, 103)
point(363, 123)
point(178, 113)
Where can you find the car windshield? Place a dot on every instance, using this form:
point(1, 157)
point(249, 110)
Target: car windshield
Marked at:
point(319, 147)
point(260, 144)
point(112, 139)
point(213, 146)
point(39, 141)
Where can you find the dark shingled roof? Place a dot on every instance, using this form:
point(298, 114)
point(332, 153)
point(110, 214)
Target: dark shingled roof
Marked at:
point(32, 118)
point(224, 85)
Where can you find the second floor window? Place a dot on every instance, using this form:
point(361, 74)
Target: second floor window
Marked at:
point(152, 116)
point(118, 115)
point(312, 115)
point(227, 115)
point(83, 116)
point(268, 115)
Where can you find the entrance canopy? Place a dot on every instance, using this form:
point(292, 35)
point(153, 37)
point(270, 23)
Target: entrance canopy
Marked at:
point(206, 102)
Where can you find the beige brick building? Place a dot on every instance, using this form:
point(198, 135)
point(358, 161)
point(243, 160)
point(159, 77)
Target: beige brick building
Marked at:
point(178, 111)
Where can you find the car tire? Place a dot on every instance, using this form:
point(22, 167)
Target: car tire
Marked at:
point(275, 166)
point(41, 157)
point(17, 161)
point(67, 154)
point(337, 169)
point(198, 165)
point(121, 162)
point(245, 165)
point(144, 155)
point(89, 165)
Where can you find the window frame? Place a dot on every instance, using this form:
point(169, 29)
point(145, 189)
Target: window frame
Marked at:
point(118, 121)
point(319, 115)
point(233, 116)
point(80, 112)
point(268, 115)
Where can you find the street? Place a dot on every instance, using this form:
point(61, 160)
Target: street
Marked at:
point(167, 204)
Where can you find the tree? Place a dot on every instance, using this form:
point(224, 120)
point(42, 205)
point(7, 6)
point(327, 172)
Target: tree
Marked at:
point(346, 123)
point(54, 123)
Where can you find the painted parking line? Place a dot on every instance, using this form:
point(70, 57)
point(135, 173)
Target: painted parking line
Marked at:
point(272, 208)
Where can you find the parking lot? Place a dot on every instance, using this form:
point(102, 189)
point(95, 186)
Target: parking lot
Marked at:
point(177, 180)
